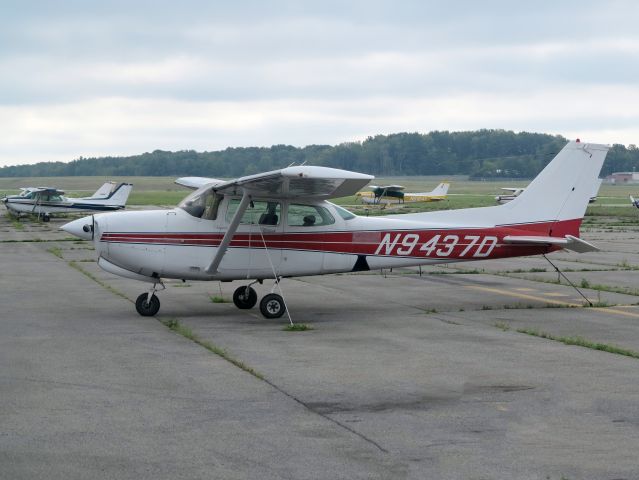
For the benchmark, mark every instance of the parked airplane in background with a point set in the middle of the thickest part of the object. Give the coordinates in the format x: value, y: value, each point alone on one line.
x: 515, y: 192
x: 279, y: 224
x: 44, y: 201
x: 393, y: 194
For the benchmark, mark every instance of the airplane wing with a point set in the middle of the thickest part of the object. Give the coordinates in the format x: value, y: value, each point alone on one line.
x: 298, y: 182
x: 197, y: 182
x: 46, y: 191
x: 568, y: 242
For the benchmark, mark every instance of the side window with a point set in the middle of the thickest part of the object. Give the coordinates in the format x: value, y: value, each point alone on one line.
x: 258, y: 212
x: 308, y: 216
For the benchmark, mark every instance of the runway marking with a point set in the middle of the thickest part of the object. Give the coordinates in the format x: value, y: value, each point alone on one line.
x: 619, y: 312
x: 525, y: 289
x: 615, y: 311
x: 523, y: 295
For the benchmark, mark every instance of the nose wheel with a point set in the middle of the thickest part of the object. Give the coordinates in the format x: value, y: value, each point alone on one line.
x: 147, y: 304
x: 147, y: 307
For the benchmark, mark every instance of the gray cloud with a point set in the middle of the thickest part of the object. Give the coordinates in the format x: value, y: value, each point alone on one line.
x: 306, y: 72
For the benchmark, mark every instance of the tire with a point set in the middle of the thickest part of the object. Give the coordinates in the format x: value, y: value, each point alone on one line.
x: 272, y: 306
x: 46, y: 218
x: 244, y: 298
x: 145, y: 308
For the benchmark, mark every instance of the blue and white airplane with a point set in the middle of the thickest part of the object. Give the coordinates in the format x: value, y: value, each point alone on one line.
x: 44, y: 201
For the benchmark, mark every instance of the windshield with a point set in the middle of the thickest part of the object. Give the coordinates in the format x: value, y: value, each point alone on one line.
x: 202, y: 203
x: 342, y: 212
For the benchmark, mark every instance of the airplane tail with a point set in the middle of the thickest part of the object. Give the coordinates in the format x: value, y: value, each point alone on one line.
x: 117, y: 197
x: 120, y: 195
x: 562, y: 191
x: 553, y: 204
x: 441, y: 189
x: 104, y: 191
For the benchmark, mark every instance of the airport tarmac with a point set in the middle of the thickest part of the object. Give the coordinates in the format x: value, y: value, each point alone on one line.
x: 402, y: 375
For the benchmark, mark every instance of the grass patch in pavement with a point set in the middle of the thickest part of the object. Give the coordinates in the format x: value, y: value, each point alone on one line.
x: 580, y: 342
x: 297, y: 327
x: 57, y: 251
x: 74, y: 264
x: 186, y: 332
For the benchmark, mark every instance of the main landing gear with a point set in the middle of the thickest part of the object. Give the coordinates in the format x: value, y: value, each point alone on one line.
x: 244, y: 298
x: 271, y: 306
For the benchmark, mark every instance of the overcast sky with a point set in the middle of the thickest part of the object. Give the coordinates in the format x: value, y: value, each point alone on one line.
x: 81, y: 78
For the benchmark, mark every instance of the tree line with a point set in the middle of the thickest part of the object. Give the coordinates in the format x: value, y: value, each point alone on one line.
x: 479, y: 154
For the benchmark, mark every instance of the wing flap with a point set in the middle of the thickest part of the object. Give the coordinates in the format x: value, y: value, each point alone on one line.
x: 568, y: 242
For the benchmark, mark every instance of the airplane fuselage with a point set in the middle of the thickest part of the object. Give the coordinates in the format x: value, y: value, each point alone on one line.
x: 18, y: 206
x: 175, y: 244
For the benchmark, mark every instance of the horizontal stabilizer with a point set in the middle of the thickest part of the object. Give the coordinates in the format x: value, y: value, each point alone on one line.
x: 568, y: 242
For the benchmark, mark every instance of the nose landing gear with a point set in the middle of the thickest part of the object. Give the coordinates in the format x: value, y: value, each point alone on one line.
x: 148, y: 304
x: 147, y: 307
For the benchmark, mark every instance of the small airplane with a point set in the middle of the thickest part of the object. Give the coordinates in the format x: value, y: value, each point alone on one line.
x: 515, y: 192
x: 390, y: 194
x: 280, y: 224
x: 44, y: 201
x: 633, y: 201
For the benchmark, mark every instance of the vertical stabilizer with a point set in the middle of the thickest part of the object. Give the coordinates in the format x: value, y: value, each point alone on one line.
x: 563, y: 189
x: 104, y: 191
x: 120, y: 195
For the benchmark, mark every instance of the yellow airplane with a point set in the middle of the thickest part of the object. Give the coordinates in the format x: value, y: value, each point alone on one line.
x: 393, y: 194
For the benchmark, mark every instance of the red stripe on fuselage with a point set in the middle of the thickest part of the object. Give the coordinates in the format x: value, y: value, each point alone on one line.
x: 462, y: 243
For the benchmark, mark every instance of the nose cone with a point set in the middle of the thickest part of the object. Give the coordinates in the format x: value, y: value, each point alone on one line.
x: 81, y: 228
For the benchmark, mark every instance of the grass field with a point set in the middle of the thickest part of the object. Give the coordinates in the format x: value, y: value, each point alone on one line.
x: 162, y: 191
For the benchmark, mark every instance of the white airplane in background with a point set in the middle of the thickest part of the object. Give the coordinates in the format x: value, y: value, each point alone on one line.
x: 393, y: 194
x: 46, y: 201
x: 279, y: 224
x: 515, y: 192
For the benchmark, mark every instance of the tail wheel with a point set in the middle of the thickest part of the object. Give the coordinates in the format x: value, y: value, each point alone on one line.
x: 244, y: 297
x: 272, y: 306
x: 146, y: 307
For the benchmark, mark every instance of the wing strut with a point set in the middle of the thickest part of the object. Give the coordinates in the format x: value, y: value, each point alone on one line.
x: 228, y: 236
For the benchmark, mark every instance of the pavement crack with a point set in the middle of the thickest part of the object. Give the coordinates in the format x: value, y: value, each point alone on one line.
x: 325, y: 416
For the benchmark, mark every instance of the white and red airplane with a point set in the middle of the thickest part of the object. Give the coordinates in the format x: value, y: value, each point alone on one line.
x: 280, y: 224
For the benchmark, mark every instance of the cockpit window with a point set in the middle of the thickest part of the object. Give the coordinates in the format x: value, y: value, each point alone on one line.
x: 258, y: 212
x: 342, y: 212
x: 202, y: 204
x: 308, y: 216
